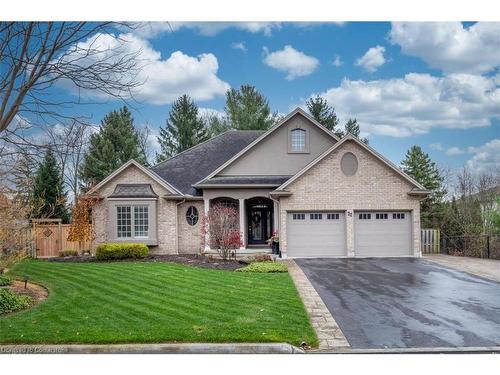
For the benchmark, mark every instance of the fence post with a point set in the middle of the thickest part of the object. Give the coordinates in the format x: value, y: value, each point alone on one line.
x: 488, y: 245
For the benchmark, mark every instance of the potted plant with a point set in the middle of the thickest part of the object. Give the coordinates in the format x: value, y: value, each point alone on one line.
x: 274, y: 243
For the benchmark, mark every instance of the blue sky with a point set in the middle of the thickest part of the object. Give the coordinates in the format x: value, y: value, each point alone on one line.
x: 432, y: 84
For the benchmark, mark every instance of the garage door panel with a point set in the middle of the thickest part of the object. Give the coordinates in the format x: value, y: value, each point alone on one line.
x: 375, y: 237
x: 316, y: 237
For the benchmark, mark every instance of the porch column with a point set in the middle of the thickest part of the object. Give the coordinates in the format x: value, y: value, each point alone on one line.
x: 242, y: 224
x: 207, y: 236
x: 276, y: 217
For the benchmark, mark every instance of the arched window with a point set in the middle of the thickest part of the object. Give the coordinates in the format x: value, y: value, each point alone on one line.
x: 298, y: 140
x: 192, y: 215
x: 225, y: 202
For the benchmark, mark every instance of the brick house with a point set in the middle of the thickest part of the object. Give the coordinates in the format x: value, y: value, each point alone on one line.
x: 324, y: 196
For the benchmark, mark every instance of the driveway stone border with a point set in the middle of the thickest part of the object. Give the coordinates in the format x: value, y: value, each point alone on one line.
x: 191, y: 348
x: 330, y: 335
x: 487, y: 268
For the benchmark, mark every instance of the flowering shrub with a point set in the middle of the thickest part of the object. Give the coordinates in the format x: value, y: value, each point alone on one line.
x: 221, y: 226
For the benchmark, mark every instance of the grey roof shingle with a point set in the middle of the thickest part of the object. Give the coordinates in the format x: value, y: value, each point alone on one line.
x: 244, y: 180
x: 192, y: 165
x: 133, y: 191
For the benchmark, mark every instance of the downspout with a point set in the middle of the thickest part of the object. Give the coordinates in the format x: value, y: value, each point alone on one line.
x: 177, y: 224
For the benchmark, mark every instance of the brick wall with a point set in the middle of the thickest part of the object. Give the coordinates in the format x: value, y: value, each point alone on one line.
x: 189, y: 235
x: 374, y: 187
x: 166, y: 211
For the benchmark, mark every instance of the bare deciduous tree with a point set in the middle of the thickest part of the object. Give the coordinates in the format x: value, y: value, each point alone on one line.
x: 34, y: 56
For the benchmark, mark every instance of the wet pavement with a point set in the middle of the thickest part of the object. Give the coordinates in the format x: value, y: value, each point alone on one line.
x: 406, y: 302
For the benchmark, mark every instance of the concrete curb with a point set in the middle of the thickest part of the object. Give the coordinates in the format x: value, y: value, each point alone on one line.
x: 440, y: 350
x: 199, y: 348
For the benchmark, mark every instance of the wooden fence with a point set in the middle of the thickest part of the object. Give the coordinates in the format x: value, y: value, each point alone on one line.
x: 52, y: 238
x: 430, y: 242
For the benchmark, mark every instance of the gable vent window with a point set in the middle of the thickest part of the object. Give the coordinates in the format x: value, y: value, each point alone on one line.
x: 192, y: 215
x: 381, y: 216
x: 332, y: 216
x: 398, y: 215
x: 316, y: 216
x: 298, y: 140
x: 299, y: 216
x: 365, y: 216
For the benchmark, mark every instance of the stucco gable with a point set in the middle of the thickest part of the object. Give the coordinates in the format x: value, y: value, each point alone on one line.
x: 270, y: 154
x: 373, y: 168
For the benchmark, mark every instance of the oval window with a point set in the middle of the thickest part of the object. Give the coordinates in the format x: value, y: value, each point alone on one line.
x: 192, y: 215
x: 349, y: 164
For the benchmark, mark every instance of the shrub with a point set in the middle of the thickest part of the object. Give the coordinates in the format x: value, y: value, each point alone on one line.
x: 264, y: 267
x: 68, y: 253
x: 5, y: 280
x: 110, y: 251
x: 9, y: 301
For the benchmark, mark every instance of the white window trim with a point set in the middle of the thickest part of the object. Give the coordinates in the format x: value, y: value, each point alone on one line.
x: 132, y: 221
x: 306, y: 140
x: 113, y: 205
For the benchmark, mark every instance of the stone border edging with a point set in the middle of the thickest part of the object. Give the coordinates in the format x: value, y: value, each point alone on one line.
x: 328, y: 331
x: 191, y: 348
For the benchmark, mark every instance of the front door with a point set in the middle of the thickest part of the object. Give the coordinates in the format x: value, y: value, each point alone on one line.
x: 260, y: 220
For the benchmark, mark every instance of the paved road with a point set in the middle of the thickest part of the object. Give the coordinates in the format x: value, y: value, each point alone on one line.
x: 405, y: 303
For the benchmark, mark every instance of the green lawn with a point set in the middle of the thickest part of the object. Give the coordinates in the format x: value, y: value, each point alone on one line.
x: 157, y: 302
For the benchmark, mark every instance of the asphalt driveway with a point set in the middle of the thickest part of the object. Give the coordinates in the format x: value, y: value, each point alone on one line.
x: 405, y: 302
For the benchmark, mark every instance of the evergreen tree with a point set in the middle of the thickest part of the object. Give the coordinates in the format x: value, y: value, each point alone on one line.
x: 184, y: 129
x: 248, y: 109
x: 216, y: 125
x: 116, y: 143
x: 451, y: 224
x: 48, y: 196
x: 352, y: 127
x: 419, y: 165
x: 323, y: 113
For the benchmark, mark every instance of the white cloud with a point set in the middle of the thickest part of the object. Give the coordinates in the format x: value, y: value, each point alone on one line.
x: 486, y: 157
x: 372, y: 59
x: 337, y: 61
x: 152, y: 29
x: 436, y: 146
x: 415, y: 104
x: 454, y: 151
x: 289, y: 60
x: 164, y: 80
x: 450, y: 46
x: 240, y: 46
x: 209, y: 112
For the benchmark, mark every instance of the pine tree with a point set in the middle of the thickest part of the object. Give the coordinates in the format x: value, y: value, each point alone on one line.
x: 184, y: 129
x: 116, y: 143
x: 419, y: 165
x: 323, y: 113
x: 48, y: 196
x: 352, y: 127
x: 248, y: 109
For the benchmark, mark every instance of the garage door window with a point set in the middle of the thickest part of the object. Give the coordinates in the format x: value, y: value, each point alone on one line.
x: 398, y: 216
x: 365, y: 216
x: 316, y: 216
x: 332, y: 216
x: 381, y: 216
x: 299, y: 216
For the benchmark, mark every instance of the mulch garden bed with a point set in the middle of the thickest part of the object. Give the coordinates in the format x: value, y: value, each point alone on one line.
x: 194, y: 260
x: 35, y: 291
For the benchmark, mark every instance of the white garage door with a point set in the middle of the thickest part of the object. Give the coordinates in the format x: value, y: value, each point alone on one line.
x: 382, y: 234
x: 316, y: 234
